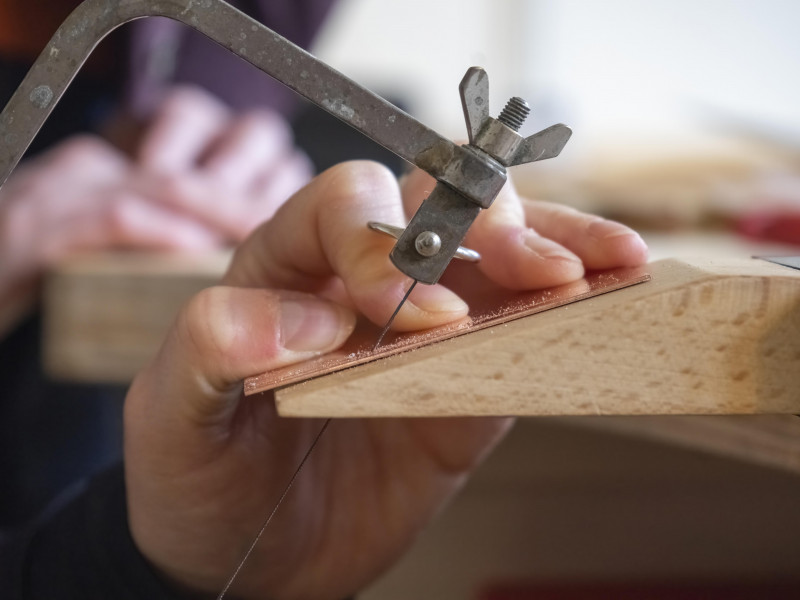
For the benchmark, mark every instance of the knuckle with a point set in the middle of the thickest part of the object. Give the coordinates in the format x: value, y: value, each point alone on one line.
x: 213, y: 323
x: 173, y: 187
x: 353, y: 182
x: 84, y: 152
x: 201, y: 325
x: 269, y: 123
x: 83, y: 146
x: 190, y: 101
x: 179, y: 98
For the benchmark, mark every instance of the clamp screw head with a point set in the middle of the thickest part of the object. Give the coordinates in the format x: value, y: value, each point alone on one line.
x: 428, y: 244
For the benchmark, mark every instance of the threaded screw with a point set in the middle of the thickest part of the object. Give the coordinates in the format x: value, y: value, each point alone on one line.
x: 515, y: 113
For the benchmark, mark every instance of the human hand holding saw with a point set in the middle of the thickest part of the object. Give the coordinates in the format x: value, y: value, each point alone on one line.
x: 204, y: 464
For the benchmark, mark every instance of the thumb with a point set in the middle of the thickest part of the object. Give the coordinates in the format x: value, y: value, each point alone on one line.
x: 221, y: 336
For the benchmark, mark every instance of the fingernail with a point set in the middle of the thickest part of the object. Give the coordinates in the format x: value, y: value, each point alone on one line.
x: 546, y: 248
x: 314, y: 325
x: 437, y: 299
x: 603, y: 229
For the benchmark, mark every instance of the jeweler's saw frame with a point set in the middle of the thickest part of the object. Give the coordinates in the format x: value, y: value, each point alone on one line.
x: 469, y: 177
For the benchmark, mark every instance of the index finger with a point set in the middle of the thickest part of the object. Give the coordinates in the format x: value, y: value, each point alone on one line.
x: 527, y: 244
x: 319, y: 239
x: 512, y: 254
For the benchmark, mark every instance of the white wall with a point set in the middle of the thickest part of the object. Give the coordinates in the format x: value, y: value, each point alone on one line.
x: 628, y: 63
x: 605, y: 67
x: 422, y: 48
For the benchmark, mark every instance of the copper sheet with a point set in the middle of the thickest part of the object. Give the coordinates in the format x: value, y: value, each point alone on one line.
x: 489, y: 305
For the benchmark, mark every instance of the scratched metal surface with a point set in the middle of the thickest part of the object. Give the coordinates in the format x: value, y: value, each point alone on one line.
x: 489, y: 305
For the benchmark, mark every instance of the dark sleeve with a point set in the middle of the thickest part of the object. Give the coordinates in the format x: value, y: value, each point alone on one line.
x: 82, y: 550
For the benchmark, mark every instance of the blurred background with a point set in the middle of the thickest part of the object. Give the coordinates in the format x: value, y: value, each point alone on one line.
x: 684, y: 113
x: 686, y: 126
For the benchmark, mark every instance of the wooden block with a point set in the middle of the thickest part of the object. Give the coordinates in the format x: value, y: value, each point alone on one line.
x: 703, y: 337
x: 105, y: 315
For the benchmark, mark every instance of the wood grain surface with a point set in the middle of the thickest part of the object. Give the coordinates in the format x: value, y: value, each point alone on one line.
x: 703, y: 337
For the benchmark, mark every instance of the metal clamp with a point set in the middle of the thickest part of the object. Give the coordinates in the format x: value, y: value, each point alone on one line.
x: 495, y: 143
x: 427, y: 243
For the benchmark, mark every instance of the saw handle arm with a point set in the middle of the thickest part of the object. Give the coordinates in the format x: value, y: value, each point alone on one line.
x: 93, y: 20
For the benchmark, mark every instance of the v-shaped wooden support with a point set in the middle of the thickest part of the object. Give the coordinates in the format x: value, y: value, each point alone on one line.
x: 702, y: 337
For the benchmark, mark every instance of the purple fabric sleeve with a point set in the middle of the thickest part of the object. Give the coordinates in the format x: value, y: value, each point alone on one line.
x: 165, y: 52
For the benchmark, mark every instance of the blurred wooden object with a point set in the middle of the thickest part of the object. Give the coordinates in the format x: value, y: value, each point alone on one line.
x: 766, y: 440
x: 684, y: 180
x: 703, y: 337
x: 106, y: 314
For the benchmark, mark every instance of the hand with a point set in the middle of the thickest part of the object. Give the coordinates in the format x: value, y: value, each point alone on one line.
x: 230, y: 171
x: 203, y: 178
x: 204, y: 464
x: 81, y: 195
